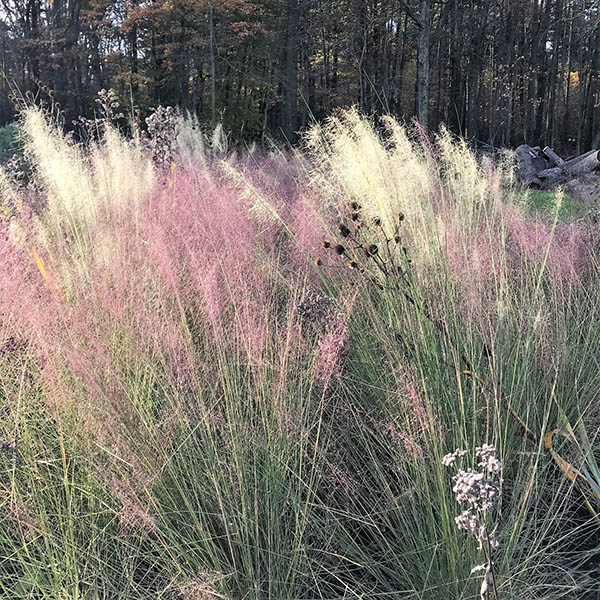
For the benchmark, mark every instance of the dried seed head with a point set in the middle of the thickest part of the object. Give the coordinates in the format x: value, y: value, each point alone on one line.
x: 355, y: 216
x: 344, y: 231
x: 370, y: 250
x: 377, y: 221
x: 351, y: 264
x: 397, y: 239
x: 355, y: 206
x: 317, y: 261
x: 326, y: 244
x: 314, y: 306
x: 400, y: 217
x: 340, y: 249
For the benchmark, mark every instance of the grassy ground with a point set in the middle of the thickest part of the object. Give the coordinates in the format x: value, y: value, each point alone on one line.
x: 236, y: 376
x: 545, y: 204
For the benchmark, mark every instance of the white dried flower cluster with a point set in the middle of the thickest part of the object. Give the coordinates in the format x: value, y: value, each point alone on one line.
x: 108, y: 105
x: 476, y: 489
x: 467, y: 521
x: 450, y: 459
x: 163, y: 128
x: 488, y: 461
x: 480, y: 491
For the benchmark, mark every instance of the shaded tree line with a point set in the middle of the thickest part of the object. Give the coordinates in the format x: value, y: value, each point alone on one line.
x: 500, y: 72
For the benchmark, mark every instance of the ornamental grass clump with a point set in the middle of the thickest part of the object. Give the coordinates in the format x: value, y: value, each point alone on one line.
x: 479, y: 490
x: 190, y: 407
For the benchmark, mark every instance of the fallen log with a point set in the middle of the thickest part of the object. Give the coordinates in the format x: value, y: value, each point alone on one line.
x: 555, y: 159
x: 581, y: 165
x: 581, y: 157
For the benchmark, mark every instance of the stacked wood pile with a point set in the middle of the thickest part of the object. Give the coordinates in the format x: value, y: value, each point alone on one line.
x: 544, y: 169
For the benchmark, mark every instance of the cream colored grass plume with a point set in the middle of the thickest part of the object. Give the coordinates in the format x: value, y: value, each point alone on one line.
x: 390, y: 172
x: 106, y: 182
x: 111, y: 178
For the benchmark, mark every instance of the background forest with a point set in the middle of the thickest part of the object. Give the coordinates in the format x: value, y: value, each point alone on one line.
x: 498, y: 72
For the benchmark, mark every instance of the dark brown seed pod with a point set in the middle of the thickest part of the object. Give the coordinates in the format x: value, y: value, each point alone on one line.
x: 371, y: 250
x: 400, y: 217
x: 354, y: 205
x: 351, y: 264
x: 326, y: 244
x: 318, y: 262
x: 340, y: 249
x: 355, y: 216
x: 376, y: 221
x: 344, y: 231
x: 397, y: 239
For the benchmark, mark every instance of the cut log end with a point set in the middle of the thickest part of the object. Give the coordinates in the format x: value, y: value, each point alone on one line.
x: 527, y: 171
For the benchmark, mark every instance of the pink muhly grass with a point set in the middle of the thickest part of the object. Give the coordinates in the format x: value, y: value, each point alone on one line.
x: 308, y: 231
x: 478, y: 258
x: 196, y: 264
x: 339, y: 475
x: 230, y: 260
x: 199, y: 254
x: 474, y: 262
x: 216, y: 245
x: 23, y: 517
x: 332, y: 351
x: 411, y: 428
x: 290, y: 364
x: 210, y: 286
x: 415, y: 402
x: 29, y: 301
x: 73, y: 335
x: 401, y: 438
x: 135, y: 510
x: 565, y: 247
x: 333, y: 348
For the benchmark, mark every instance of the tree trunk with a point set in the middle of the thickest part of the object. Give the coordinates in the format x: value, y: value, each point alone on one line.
x: 213, y: 83
x: 290, y: 78
x: 423, y: 63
